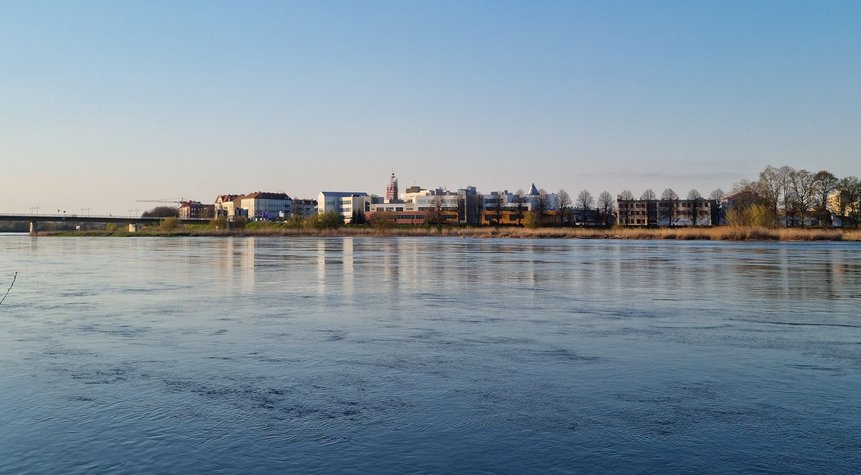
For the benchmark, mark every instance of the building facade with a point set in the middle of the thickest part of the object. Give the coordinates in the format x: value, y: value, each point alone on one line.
x: 226, y: 205
x: 348, y: 204
x: 266, y: 206
x: 195, y: 210
x: 634, y: 212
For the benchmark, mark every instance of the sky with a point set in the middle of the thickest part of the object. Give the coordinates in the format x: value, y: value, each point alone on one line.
x: 105, y: 103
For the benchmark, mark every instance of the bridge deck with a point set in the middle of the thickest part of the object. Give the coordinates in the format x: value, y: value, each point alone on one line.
x: 71, y: 218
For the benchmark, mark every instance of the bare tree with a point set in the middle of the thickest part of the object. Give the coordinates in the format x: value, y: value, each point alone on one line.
x: 825, y: 184
x: 850, y: 199
x: 520, y: 201
x: 542, y: 204
x: 697, y: 198
x: 434, y: 213
x: 669, y: 200
x: 769, y: 188
x: 648, y: 195
x: 606, y: 205
x: 717, y: 195
x: 625, y: 201
x: 802, y: 194
x: 585, y: 202
x: 497, y: 212
x: 785, y: 182
x: 563, y: 204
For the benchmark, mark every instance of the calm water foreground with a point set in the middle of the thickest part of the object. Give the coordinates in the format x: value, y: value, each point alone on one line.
x: 370, y: 355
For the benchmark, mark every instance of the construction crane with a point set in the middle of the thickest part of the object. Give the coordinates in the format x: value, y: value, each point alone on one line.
x: 166, y: 200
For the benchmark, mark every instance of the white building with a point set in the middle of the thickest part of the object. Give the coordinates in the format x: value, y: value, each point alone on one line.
x: 226, y: 205
x: 257, y: 205
x: 261, y: 205
x: 346, y: 203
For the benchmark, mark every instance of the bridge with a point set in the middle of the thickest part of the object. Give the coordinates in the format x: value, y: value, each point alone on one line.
x: 35, y: 219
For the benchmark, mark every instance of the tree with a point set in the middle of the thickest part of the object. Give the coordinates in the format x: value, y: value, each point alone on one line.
x: 606, y: 205
x: 784, y: 176
x: 161, y: 212
x: 542, y: 204
x: 669, y: 195
x: 434, y: 213
x: 382, y: 219
x: 802, y: 194
x: 825, y: 183
x: 669, y: 200
x: 327, y: 220
x: 717, y: 195
x: 850, y: 199
x: 625, y: 200
x: 497, y: 212
x: 520, y: 201
x: 563, y: 204
x: 755, y: 214
x: 169, y: 224
x: 768, y: 188
x: 585, y: 202
x: 696, y: 197
x: 219, y: 223
x: 359, y: 218
x: 648, y: 195
x: 848, y: 189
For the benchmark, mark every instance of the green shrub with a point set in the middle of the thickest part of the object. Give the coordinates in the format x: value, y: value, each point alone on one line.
x: 328, y: 220
x: 169, y: 224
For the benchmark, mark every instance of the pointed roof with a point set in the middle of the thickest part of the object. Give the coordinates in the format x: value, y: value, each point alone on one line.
x: 533, y: 191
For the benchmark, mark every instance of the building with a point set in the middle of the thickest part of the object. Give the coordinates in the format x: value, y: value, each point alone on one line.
x: 349, y: 204
x: 258, y: 206
x: 392, y: 189
x: 226, y: 205
x: 439, y: 206
x: 195, y: 210
x: 266, y: 206
x: 304, y: 208
x: 658, y: 212
x: 469, y: 206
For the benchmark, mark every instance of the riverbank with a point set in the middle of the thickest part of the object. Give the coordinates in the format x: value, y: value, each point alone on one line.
x: 722, y: 233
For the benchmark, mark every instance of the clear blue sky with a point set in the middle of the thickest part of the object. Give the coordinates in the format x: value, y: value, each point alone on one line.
x: 103, y: 103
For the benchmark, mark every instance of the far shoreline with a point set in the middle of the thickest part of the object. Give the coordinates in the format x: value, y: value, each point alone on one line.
x: 718, y: 233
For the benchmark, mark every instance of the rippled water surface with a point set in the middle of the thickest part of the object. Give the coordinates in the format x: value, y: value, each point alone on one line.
x: 372, y: 355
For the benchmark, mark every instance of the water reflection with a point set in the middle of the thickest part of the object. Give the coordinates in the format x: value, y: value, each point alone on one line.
x: 576, y: 274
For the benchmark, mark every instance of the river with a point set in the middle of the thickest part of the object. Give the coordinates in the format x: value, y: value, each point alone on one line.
x: 392, y: 355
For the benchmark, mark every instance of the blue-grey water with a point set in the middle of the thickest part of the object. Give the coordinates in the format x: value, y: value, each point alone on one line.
x: 380, y: 355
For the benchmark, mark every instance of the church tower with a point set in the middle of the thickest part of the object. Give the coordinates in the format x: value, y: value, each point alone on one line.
x: 392, y: 189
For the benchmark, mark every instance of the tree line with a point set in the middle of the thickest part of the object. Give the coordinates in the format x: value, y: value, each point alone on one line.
x: 796, y: 198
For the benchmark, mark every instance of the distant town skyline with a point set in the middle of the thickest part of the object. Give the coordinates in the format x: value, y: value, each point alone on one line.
x: 106, y: 103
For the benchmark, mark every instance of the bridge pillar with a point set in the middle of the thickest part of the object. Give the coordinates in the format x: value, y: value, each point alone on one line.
x: 34, y: 228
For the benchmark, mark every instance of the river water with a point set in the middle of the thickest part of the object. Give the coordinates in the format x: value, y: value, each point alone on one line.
x: 391, y: 355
